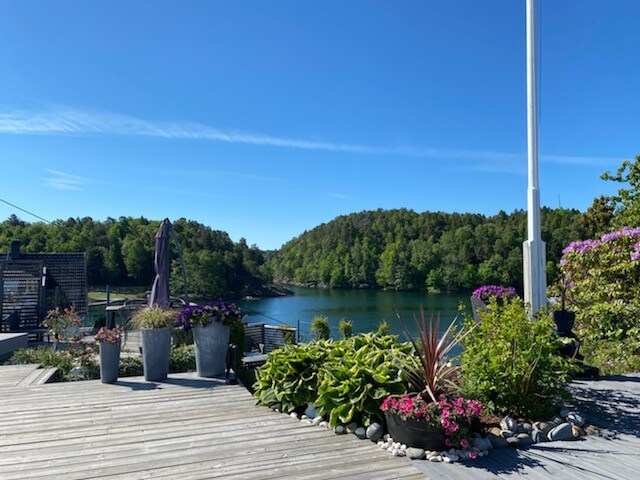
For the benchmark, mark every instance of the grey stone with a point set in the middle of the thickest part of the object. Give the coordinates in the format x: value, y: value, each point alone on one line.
x: 416, y: 453
x: 361, y: 433
x: 497, y: 442
x: 508, y: 423
x: 507, y: 433
x: 323, y: 425
x: 520, y: 441
x: 577, y: 431
x: 351, y: 427
x: 482, y: 444
x: 340, y: 430
x: 311, y: 411
x: 546, y: 427
x: 526, y: 427
x: 558, y: 420
x: 437, y: 458
x: 576, y: 419
x: 374, y: 431
x: 564, y: 412
x: 538, y: 436
x: 275, y: 406
x: 495, y: 431
x: 561, y: 432
x: 399, y: 453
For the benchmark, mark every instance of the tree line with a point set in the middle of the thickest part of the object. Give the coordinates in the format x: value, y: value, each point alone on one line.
x: 404, y: 250
x: 120, y: 252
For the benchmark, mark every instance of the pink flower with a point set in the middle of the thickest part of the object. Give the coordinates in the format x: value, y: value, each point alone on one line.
x: 445, y: 423
x: 447, y: 442
x: 464, y: 443
x: 453, y: 426
x: 473, y: 455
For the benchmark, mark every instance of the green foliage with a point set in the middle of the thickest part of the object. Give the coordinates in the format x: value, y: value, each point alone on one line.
x: 346, y: 328
x: 131, y: 367
x: 120, y: 252
x: 154, y: 317
x: 383, y: 328
x: 603, y: 279
x: 405, y: 250
x: 182, y: 359
x: 627, y: 201
x: 359, y: 373
x: 320, y: 326
x: 290, y: 376
x: 45, y: 356
x: 614, y: 356
x: 347, y: 379
x: 511, y: 363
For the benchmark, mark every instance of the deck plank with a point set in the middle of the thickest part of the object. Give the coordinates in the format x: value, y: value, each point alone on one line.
x: 185, y: 428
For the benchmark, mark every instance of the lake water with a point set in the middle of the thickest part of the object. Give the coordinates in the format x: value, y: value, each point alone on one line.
x: 365, y: 308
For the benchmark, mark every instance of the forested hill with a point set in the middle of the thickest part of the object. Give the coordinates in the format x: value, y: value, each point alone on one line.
x: 405, y: 250
x: 120, y: 252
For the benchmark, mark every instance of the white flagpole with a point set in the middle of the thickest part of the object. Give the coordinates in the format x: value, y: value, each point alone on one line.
x: 535, y: 275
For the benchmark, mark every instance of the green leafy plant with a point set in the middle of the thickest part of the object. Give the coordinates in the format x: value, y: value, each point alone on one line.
x: 383, y: 328
x: 46, y: 357
x: 131, y: 367
x: 346, y: 328
x: 290, y: 376
x: 434, y: 372
x: 358, y: 374
x: 154, y: 317
x: 182, y: 359
x: 320, y: 326
x: 511, y: 363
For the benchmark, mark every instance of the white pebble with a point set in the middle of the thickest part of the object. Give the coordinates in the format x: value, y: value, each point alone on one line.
x: 303, y: 417
x: 293, y: 415
x: 446, y: 460
x: 399, y: 453
x: 390, y: 449
x: 437, y: 458
x: 386, y: 436
x: 323, y: 424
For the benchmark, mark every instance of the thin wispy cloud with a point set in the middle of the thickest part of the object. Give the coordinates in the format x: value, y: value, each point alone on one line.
x: 65, y: 121
x: 64, y: 181
x: 339, y: 196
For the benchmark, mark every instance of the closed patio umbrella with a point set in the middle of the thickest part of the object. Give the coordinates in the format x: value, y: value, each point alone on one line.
x: 160, y: 290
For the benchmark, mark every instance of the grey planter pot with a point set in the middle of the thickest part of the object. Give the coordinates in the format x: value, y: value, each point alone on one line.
x: 109, y: 361
x: 212, y: 343
x: 156, y: 345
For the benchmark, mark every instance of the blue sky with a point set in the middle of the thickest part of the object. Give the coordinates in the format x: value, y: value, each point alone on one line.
x: 265, y: 119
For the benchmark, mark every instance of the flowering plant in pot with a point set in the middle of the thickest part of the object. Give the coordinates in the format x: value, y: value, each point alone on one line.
x: 211, y: 325
x: 563, y: 318
x: 482, y: 296
x: 109, y: 345
x: 428, y: 418
x: 430, y: 425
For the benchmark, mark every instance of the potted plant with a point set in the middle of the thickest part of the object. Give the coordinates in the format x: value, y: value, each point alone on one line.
x: 109, y: 345
x: 563, y: 318
x: 482, y: 296
x: 428, y: 417
x: 155, y: 324
x: 211, y: 325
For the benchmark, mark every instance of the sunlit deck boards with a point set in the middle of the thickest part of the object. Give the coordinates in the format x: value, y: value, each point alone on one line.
x: 186, y: 428
x: 24, y: 375
x: 612, y: 404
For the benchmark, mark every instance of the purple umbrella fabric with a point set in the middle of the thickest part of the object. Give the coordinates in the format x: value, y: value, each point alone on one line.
x: 160, y: 290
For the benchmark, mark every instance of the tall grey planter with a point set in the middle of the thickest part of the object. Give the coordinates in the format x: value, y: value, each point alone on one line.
x: 156, y: 345
x: 109, y: 361
x: 211, y: 344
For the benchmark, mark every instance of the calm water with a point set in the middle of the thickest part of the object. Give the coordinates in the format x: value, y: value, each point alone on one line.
x: 365, y: 308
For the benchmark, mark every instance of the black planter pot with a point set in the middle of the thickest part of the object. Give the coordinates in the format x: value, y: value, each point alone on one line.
x: 564, y: 320
x: 414, y: 433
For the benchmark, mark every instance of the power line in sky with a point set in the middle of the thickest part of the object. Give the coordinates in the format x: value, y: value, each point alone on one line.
x: 25, y: 211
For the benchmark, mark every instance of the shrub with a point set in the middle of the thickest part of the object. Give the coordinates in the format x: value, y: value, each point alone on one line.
x: 46, y: 357
x: 131, y: 367
x: 347, y: 379
x: 346, y: 328
x: 511, y: 363
x: 182, y: 359
x: 614, y: 357
x: 290, y: 376
x: 359, y: 373
x: 320, y: 326
x: 383, y: 328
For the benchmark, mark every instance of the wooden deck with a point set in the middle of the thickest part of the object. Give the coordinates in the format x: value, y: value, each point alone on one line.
x: 613, y: 404
x: 185, y: 428
x: 24, y: 375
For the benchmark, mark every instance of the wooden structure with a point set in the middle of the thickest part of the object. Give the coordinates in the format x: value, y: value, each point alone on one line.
x: 22, y: 376
x: 32, y: 283
x: 183, y: 429
x: 263, y: 339
x: 612, y: 404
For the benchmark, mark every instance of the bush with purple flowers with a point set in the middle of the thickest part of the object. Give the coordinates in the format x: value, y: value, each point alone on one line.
x: 108, y: 335
x: 488, y: 292
x: 223, y: 312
